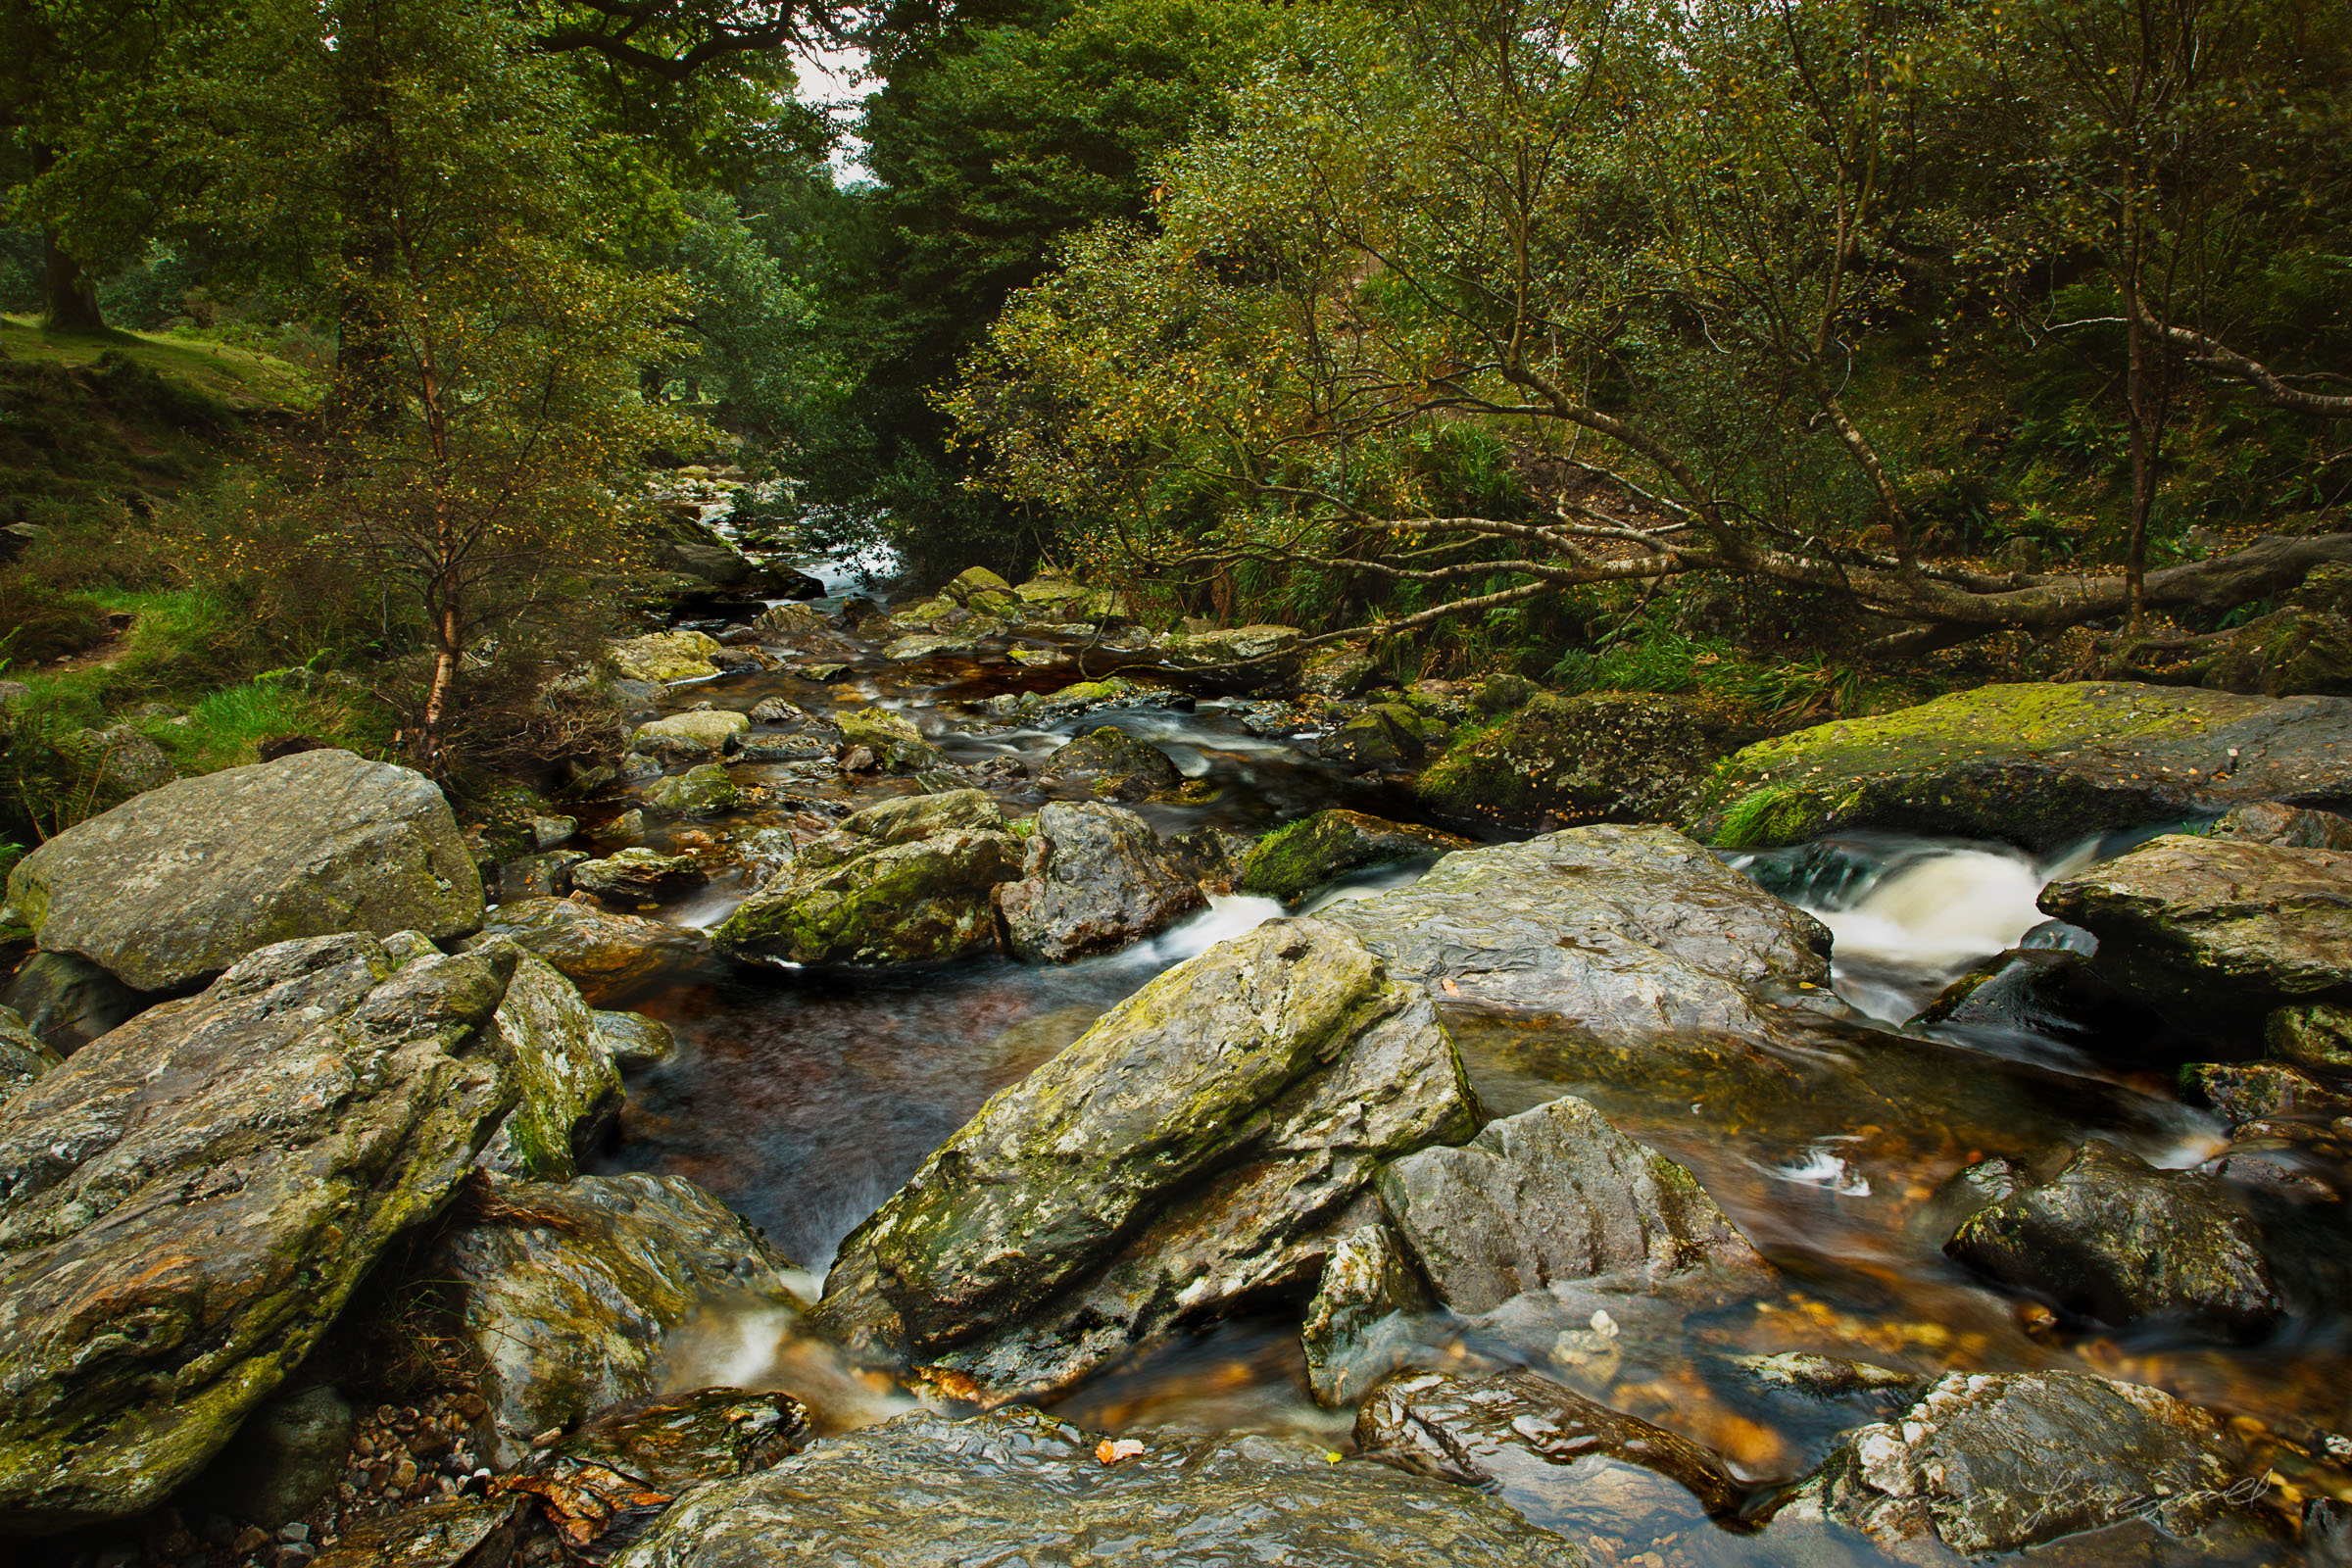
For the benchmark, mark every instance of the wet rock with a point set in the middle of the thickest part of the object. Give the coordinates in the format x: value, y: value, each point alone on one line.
x: 776, y: 711
x: 1568, y: 1463
x: 1987, y: 1463
x: 639, y: 875
x: 605, y: 954
x: 175, y: 885
x: 702, y: 791
x: 2039, y: 764
x: 1393, y: 735
x: 1058, y: 600
x: 1628, y: 933
x: 668, y: 656
x: 288, y: 1454
x: 1211, y: 856
x: 1198, y: 1146
x: 1094, y: 879
x: 69, y: 1001
x: 909, y: 902
x: 1605, y: 756
x: 1354, y: 1333
x: 2255, y: 1091
x: 925, y: 1491
x: 461, y: 1533
x: 2316, y: 1034
x: 1342, y: 671
x: 220, y: 1172
x: 537, y: 876
x: 1118, y: 765
x: 918, y: 816
x: 635, y: 1041
x: 2293, y: 826
x: 694, y: 737
x: 1550, y: 1195
x: 548, y: 1042
x: 930, y: 645
x: 1296, y: 861
x: 890, y: 737
x: 1240, y: 658
x: 22, y: 1057
x: 2208, y: 926
x: 811, y: 745
x: 569, y: 1291
x: 789, y: 624
x: 2113, y: 1238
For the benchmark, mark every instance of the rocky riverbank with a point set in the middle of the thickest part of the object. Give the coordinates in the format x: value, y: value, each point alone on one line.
x: 347, y: 1216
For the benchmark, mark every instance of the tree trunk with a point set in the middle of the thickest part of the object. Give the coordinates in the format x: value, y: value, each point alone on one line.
x: 68, y: 299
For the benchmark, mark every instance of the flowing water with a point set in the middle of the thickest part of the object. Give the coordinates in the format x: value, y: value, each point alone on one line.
x: 806, y: 1098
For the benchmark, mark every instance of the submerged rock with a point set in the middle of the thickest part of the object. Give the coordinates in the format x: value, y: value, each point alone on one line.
x: 1195, y: 1146
x: 1628, y: 933
x: 1095, y: 879
x: 1018, y: 1485
x: 605, y: 954
x: 2115, y: 1238
x: 1605, y: 756
x: 1294, y: 861
x: 1118, y: 767
x: 220, y: 1172
x: 175, y: 885
x: 1553, y: 1194
x: 911, y: 903
x: 1987, y: 1463
x: 2215, y: 925
x: 570, y: 1292
x: 2039, y: 764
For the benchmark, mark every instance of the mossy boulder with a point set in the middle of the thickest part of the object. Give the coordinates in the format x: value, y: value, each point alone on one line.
x: 1558, y: 761
x: 2041, y: 765
x: 1195, y: 1146
x: 917, y: 817
x: 186, y: 1205
x: 1294, y: 861
x: 697, y: 736
x: 704, y: 790
x: 890, y: 736
x: 667, y: 656
x: 173, y: 885
x: 926, y: 900
x: 637, y: 874
x: 1115, y: 765
x: 570, y: 1292
x: 568, y: 1085
x: 1389, y: 735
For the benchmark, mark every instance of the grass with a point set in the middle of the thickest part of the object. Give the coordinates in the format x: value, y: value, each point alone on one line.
x: 244, y: 381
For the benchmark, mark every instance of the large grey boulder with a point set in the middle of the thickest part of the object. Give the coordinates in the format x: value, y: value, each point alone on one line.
x: 1095, y: 879
x: 1626, y: 932
x: 570, y: 1291
x: 186, y: 1203
x: 175, y: 885
x: 1202, y: 1144
x: 2115, y: 1238
x: 1989, y: 1463
x: 1021, y: 1486
x: 1551, y: 1194
x: 2034, y: 763
x: 2216, y: 925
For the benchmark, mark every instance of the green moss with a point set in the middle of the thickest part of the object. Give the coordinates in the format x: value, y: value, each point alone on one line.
x: 1765, y: 817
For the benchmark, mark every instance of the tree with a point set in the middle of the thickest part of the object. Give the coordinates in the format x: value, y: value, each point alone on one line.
x: 1638, y: 247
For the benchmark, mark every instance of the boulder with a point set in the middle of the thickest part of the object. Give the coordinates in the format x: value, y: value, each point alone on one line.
x: 1019, y: 1485
x: 789, y: 624
x: 2217, y: 926
x: 535, y: 877
x: 1200, y: 1144
x: 776, y: 711
x: 2042, y: 765
x: 1552, y: 1194
x: 918, y: 816
x: 568, y: 1291
x: 1294, y: 861
x: 667, y: 656
x: 2316, y: 1034
x: 2258, y: 1091
x: 890, y: 737
x: 605, y: 954
x: 1095, y: 879
x: 1340, y: 671
x: 639, y: 875
x: 926, y: 900
x: 931, y: 645
x: 1358, y: 1326
x: 69, y: 1001
x: 2294, y: 826
x: 1246, y: 658
x: 22, y: 1057
x: 636, y: 1040
x: 811, y: 745
x: 1599, y: 1477
x: 189, y: 1201
x: 124, y: 760
x: 456, y: 1533
x: 698, y: 736
x: 1392, y: 735
x: 1628, y: 933
x: 1119, y: 766
x: 1987, y: 1463
x: 569, y: 1088
x: 173, y: 885
x: 2113, y: 1239
x: 1604, y: 757
x: 704, y: 790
